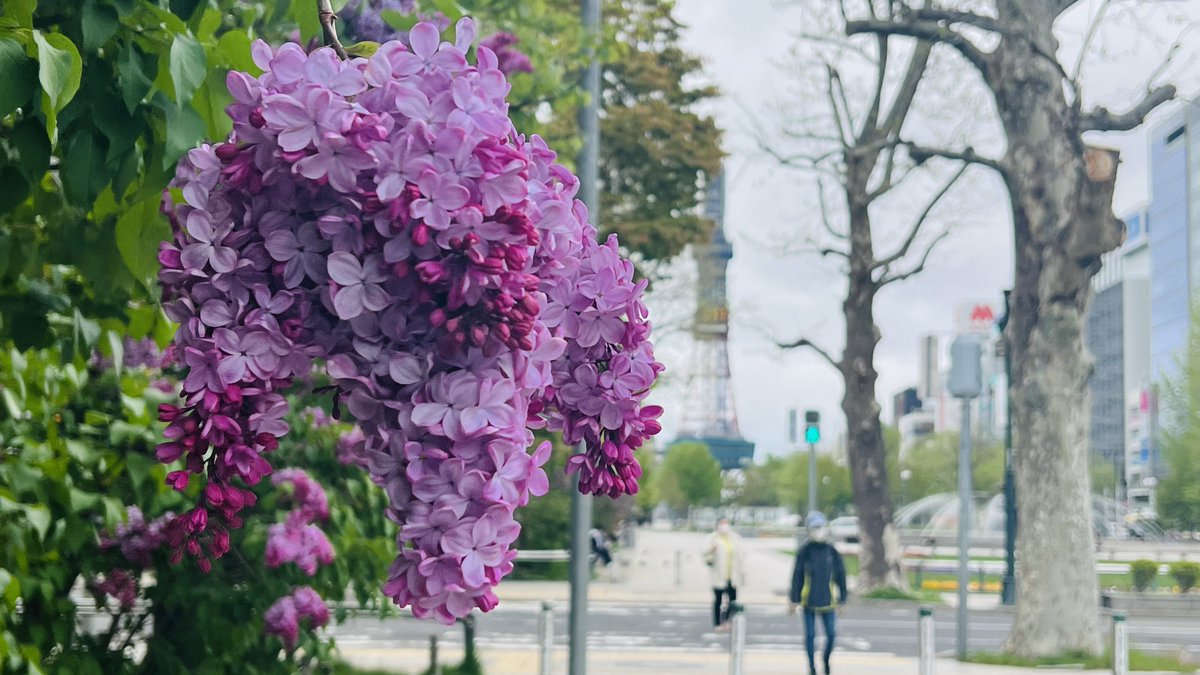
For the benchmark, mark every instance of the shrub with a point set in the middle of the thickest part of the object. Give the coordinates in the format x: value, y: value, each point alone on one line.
x: 1186, y: 574
x: 1143, y: 572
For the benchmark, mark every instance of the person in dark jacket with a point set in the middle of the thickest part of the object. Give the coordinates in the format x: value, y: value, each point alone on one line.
x: 818, y: 574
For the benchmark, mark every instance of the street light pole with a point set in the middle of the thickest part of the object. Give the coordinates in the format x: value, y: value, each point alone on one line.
x: 812, y: 477
x: 1008, y: 585
x: 965, y: 382
x: 581, y: 504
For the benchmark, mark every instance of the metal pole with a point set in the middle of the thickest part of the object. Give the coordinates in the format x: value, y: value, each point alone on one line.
x: 1008, y: 585
x: 737, y: 644
x: 812, y: 477
x: 964, y: 519
x: 581, y: 505
x: 580, y: 574
x: 1120, y: 665
x: 546, y: 639
x: 925, y: 640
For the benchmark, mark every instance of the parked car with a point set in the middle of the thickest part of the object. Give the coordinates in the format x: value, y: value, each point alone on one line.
x: 844, y: 529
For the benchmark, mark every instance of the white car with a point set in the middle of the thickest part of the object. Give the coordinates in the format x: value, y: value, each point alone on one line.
x: 844, y: 529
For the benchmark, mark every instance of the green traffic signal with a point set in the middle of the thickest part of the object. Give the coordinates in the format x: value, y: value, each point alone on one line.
x: 812, y: 434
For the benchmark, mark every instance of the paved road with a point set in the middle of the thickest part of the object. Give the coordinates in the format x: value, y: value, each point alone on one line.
x: 688, y: 627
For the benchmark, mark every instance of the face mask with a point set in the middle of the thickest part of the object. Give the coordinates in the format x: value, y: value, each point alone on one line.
x: 723, y: 528
x: 819, y: 533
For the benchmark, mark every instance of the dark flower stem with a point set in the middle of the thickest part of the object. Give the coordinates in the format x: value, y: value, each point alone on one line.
x: 327, y: 17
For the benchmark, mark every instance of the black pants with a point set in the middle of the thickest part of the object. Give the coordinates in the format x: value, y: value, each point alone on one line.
x: 721, y: 609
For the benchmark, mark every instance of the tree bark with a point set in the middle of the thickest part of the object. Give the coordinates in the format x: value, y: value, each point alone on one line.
x: 879, y: 556
x: 1061, y: 197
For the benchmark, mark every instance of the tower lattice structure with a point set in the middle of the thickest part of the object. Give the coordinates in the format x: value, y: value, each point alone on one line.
x: 709, y: 415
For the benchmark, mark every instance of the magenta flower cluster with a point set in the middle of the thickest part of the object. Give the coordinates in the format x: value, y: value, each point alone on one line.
x: 298, y: 539
x: 284, y: 616
x: 137, y: 540
x: 383, y: 216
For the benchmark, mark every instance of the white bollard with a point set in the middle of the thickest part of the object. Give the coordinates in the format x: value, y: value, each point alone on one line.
x: 546, y: 639
x: 1120, y: 664
x: 737, y: 644
x: 678, y: 568
x: 926, y: 641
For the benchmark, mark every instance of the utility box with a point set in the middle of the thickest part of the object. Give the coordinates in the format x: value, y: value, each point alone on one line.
x: 966, y: 371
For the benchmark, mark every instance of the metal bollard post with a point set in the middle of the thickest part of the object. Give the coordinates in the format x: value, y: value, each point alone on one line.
x: 434, y: 667
x: 737, y: 643
x: 1120, y: 664
x: 925, y: 640
x: 678, y: 568
x: 546, y: 639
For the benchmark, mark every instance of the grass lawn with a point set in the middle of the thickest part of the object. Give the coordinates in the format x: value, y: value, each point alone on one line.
x: 1137, y: 661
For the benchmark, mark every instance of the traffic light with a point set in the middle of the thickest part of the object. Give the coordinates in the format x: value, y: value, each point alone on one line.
x: 812, y: 426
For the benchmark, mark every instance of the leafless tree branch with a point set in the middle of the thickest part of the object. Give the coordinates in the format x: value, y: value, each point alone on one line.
x: 1092, y: 29
x: 888, y: 278
x: 1101, y: 119
x: 913, y: 231
x: 804, y: 342
x: 924, y: 30
x: 921, y: 154
x: 833, y: 106
x: 876, y: 98
x: 825, y: 214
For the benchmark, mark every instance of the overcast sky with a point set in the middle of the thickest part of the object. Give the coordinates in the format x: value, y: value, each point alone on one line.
x: 744, y: 44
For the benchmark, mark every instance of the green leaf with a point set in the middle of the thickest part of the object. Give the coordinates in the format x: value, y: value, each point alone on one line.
x: 99, y: 24
x: 185, y: 8
x: 11, y: 404
x: 59, y: 71
x: 450, y: 8
x: 115, y: 122
x: 185, y: 129
x: 233, y: 48
x: 87, y: 330
x: 304, y: 14
x: 116, y: 350
x: 187, y: 67
x: 16, y: 188
x: 33, y: 149
x: 127, y: 170
x: 18, y: 76
x: 21, y: 11
x: 210, y: 21
x: 398, y: 21
x: 139, y: 231
x: 83, y: 173
x: 131, y: 73
x: 210, y: 101
x: 38, y: 517
x: 365, y: 49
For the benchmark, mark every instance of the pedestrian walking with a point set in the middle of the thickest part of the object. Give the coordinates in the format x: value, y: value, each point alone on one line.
x: 819, y: 574
x: 724, y: 555
x: 600, y: 550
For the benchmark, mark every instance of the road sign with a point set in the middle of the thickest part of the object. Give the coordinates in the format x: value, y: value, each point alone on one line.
x: 978, y: 317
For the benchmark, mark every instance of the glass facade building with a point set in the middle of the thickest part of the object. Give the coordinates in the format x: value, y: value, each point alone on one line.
x: 1174, y: 235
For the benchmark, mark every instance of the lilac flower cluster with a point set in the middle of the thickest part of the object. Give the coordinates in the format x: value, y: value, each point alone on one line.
x: 136, y: 538
x: 142, y: 353
x: 511, y: 60
x: 284, y: 616
x: 119, y: 584
x: 383, y: 216
x: 297, y: 539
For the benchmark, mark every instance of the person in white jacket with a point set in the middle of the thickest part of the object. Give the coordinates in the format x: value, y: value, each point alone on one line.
x: 725, y: 556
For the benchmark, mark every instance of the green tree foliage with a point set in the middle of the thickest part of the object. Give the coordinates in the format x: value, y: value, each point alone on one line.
x: 1179, y: 491
x: 783, y: 481
x: 657, y: 150
x: 689, y: 476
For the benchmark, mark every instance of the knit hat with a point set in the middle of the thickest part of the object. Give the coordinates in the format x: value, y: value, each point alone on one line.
x: 815, y: 519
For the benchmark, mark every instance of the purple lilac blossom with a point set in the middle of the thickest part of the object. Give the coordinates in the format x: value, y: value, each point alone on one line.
x: 462, y: 302
x: 283, y: 618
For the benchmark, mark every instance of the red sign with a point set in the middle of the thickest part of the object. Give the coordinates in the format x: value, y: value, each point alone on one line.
x: 975, y: 317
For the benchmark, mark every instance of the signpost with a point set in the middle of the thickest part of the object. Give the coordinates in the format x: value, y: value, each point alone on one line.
x: 965, y: 383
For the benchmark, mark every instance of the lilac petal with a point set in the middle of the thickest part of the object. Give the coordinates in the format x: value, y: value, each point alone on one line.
x: 344, y: 268
x: 348, y: 301
x: 424, y: 38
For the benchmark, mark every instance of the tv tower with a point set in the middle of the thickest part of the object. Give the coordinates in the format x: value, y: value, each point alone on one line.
x: 710, y: 417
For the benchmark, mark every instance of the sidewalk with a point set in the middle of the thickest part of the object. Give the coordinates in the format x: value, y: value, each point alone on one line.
x: 663, y: 662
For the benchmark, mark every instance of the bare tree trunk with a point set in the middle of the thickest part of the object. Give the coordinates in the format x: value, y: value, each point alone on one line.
x: 1062, y: 221
x: 879, y: 556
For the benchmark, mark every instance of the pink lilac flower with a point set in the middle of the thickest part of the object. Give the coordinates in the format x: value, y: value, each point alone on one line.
x: 383, y: 217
